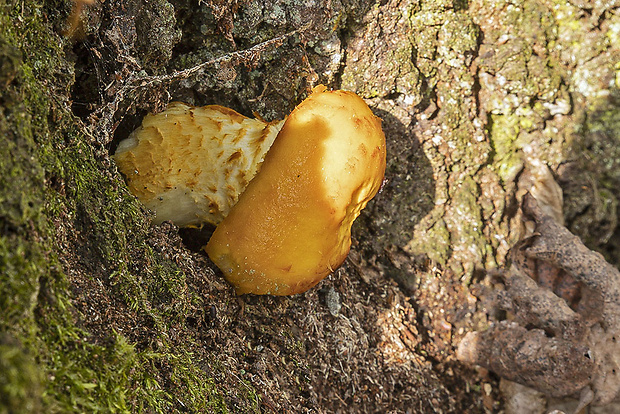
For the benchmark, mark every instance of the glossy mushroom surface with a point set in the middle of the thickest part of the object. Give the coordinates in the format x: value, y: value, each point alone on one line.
x: 292, y: 225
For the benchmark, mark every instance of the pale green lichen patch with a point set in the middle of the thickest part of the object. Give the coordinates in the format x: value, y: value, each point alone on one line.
x: 503, y: 132
x: 464, y: 223
x: 434, y: 240
x: 458, y: 39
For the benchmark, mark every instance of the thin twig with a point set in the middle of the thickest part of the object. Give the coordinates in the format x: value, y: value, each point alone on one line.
x: 105, y: 115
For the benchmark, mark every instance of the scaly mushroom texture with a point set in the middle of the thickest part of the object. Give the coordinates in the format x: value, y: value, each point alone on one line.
x: 189, y: 165
x: 291, y: 226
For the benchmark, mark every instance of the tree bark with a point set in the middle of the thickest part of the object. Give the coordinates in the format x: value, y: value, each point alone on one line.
x: 102, y: 311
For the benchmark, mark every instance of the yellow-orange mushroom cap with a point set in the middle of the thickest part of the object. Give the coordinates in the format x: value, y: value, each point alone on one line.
x: 291, y: 226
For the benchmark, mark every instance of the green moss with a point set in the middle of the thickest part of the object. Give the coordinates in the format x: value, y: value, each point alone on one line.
x: 20, y: 378
x: 53, y: 185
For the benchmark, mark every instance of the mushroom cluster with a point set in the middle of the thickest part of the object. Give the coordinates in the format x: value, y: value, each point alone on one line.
x: 283, y: 195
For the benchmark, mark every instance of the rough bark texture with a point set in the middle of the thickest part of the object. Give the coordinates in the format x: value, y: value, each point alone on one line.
x: 563, y: 301
x: 101, y: 311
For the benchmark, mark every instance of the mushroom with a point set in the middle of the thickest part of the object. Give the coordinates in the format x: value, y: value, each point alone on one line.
x: 289, y: 202
x: 189, y: 165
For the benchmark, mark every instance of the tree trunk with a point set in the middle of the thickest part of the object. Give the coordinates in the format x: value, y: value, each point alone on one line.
x: 102, y: 311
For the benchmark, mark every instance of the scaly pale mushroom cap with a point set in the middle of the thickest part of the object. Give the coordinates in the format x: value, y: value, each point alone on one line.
x: 189, y: 165
x: 292, y: 225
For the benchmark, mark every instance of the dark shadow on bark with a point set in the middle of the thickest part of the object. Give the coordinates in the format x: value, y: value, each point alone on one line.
x: 590, y: 180
x: 406, y: 197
